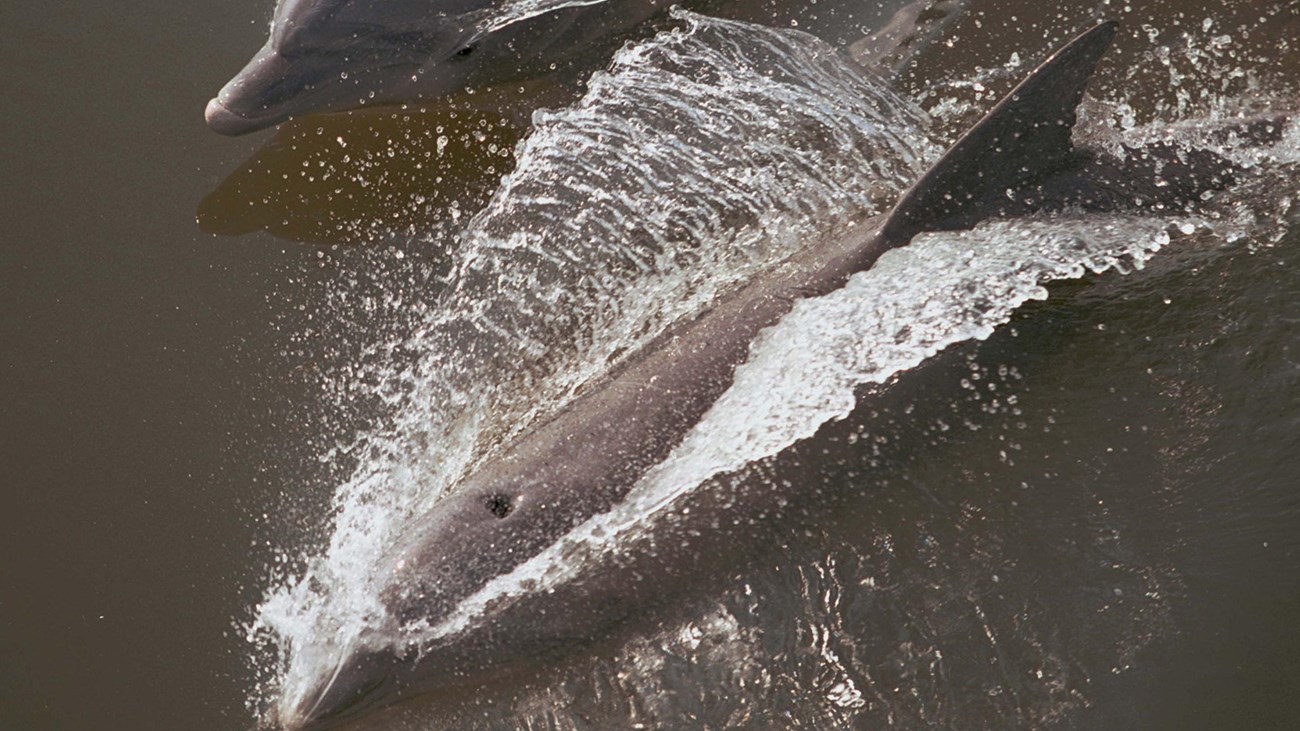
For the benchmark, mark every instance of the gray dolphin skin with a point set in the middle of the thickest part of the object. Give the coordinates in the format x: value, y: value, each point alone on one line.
x: 331, y: 55
x: 585, y: 459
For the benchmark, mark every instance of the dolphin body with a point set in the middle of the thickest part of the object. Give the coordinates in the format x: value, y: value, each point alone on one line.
x: 582, y: 461
x: 331, y: 55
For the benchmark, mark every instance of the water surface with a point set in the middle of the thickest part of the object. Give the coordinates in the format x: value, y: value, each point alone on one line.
x: 1087, y: 519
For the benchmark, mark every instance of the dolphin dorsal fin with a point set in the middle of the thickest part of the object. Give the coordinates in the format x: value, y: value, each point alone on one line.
x: 1024, y: 138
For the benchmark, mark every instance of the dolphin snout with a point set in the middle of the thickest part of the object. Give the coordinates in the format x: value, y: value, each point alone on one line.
x: 357, y: 679
x: 263, y: 94
x: 223, y: 121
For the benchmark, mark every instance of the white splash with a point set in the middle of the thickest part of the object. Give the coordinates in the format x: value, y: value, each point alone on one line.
x: 518, y: 11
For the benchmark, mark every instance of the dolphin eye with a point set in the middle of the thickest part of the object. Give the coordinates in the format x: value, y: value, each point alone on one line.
x: 499, y: 505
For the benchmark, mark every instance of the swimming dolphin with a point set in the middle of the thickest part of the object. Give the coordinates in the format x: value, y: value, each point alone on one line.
x: 582, y: 461
x: 329, y: 55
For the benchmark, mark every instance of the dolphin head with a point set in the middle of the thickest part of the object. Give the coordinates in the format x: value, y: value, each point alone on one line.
x: 328, y: 55
x: 481, y: 531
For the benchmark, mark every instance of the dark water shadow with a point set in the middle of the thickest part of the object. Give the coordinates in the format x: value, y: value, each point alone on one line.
x: 368, y: 176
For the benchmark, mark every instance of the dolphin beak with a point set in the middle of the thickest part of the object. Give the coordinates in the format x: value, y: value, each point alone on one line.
x: 259, y: 96
x: 223, y: 121
x: 357, y: 680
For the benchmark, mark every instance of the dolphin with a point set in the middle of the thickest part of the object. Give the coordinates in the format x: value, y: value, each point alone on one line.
x: 331, y: 55
x: 1019, y: 158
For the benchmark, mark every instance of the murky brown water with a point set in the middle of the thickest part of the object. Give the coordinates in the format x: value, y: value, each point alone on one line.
x: 139, y: 385
x: 162, y: 367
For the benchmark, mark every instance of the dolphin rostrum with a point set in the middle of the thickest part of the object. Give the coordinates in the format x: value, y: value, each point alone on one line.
x: 582, y: 461
x: 330, y: 55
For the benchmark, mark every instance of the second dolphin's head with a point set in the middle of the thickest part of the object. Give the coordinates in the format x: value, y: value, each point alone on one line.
x: 327, y: 55
x: 331, y: 55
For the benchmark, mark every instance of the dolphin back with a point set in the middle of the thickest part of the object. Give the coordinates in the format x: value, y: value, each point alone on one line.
x: 1023, y: 140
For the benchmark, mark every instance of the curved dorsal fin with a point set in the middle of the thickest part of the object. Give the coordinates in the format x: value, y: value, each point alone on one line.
x: 1025, y: 137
